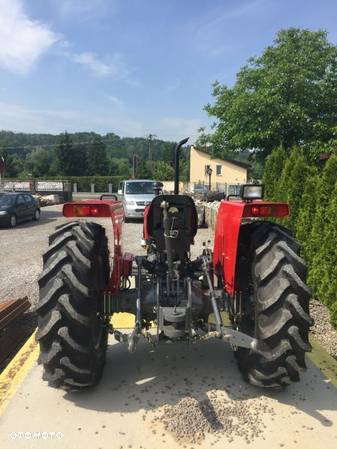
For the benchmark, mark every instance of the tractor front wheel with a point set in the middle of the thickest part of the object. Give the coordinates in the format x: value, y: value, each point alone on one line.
x: 71, y: 333
x: 269, y: 259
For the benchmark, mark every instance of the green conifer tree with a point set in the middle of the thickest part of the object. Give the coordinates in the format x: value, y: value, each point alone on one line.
x: 97, y: 158
x: 273, y: 169
x: 307, y: 210
x: 314, y: 248
x: 324, y: 267
x: 290, y: 184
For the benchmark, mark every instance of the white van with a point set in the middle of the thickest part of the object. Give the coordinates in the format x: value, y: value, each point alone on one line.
x: 135, y: 195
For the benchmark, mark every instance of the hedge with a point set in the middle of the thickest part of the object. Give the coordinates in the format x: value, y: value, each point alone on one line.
x: 312, y: 194
x: 101, y: 182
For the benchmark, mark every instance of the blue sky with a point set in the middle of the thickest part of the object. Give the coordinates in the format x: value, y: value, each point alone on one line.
x: 133, y: 66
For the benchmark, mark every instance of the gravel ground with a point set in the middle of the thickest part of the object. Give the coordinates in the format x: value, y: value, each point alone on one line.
x: 190, y: 420
x: 21, y: 251
x: 22, y: 248
x: 322, y: 329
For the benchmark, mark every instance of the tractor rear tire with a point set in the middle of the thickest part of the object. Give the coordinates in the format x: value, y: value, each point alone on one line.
x: 71, y: 333
x: 281, y: 307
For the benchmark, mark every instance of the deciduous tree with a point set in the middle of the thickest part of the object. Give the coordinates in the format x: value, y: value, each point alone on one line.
x: 287, y: 96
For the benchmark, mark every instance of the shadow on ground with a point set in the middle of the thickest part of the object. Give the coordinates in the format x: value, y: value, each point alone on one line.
x: 150, y: 378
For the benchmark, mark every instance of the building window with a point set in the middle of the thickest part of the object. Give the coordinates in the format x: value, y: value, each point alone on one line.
x: 218, y: 170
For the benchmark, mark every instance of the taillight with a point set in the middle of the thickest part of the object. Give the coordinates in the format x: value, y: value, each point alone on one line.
x: 80, y: 211
x: 86, y: 210
x: 266, y: 210
x: 94, y: 212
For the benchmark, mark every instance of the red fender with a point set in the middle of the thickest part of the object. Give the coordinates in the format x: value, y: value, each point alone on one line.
x: 122, y: 263
x: 227, y: 231
x: 146, y: 213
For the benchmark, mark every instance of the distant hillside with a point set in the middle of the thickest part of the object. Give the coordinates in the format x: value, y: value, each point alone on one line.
x: 118, y: 147
x: 87, y: 154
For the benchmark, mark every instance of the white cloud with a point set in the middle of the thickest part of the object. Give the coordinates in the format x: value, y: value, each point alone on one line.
x: 22, y: 40
x: 173, y: 86
x: 18, y: 117
x: 115, y: 68
x: 116, y: 101
x: 220, y: 15
x: 83, y: 9
x: 176, y: 128
x: 206, y: 32
x: 22, y: 118
x: 98, y: 67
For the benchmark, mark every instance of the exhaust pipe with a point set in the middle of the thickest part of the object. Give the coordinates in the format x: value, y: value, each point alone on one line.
x: 168, y: 237
x: 176, y: 165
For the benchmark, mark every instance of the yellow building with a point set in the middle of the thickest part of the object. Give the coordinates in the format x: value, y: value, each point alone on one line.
x: 224, y: 171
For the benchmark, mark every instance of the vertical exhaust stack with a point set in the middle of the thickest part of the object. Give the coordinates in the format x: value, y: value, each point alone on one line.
x: 176, y: 165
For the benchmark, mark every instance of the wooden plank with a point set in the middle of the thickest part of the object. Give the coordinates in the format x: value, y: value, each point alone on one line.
x: 11, y: 309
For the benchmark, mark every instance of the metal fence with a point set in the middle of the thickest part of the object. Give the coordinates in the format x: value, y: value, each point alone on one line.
x: 61, y: 188
x: 65, y: 188
x: 228, y: 189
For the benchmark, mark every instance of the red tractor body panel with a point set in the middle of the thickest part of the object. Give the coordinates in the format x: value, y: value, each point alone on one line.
x: 230, y: 215
x: 227, y: 230
x: 146, y: 213
x: 122, y: 263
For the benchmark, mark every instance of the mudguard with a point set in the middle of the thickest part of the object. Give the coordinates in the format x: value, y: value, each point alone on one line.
x: 109, y: 209
x: 227, y: 230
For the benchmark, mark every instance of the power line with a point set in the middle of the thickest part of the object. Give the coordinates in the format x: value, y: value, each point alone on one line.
x: 44, y: 145
x: 150, y: 138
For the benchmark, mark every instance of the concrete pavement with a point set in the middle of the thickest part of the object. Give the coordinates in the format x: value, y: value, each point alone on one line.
x: 119, y: 412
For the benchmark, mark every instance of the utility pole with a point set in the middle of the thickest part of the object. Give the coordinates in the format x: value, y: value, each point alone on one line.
x: 135, y: 158
x: 2, y: 170
x: 209, y: 172
x: 150, y: 138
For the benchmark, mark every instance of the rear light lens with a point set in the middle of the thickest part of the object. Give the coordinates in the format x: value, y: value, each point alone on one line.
x: 94, y: 212
x: 266, y: 210
x: 81, y: 211
x: 86, y: 210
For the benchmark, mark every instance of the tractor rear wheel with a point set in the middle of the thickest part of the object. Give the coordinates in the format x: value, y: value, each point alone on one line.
x: 71, y: 333
x: 269, y: 259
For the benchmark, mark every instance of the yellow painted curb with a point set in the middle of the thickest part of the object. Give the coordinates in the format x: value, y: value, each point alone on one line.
x: 123, y: 321
x: 13, y: 375
x: 16, y: 371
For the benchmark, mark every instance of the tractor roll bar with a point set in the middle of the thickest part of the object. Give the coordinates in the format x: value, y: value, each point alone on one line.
x: 176, y: 165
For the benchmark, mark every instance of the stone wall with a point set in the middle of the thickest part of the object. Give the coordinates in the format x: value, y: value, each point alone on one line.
x: 207, y: 213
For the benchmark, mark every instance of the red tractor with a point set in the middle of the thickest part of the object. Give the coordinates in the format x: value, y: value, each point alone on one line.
x: 254, y: 274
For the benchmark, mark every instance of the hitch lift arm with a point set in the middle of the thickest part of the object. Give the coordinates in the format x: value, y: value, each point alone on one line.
x: 234, y: 337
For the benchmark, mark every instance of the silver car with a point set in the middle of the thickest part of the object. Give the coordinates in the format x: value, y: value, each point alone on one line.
x: 136, y: 194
